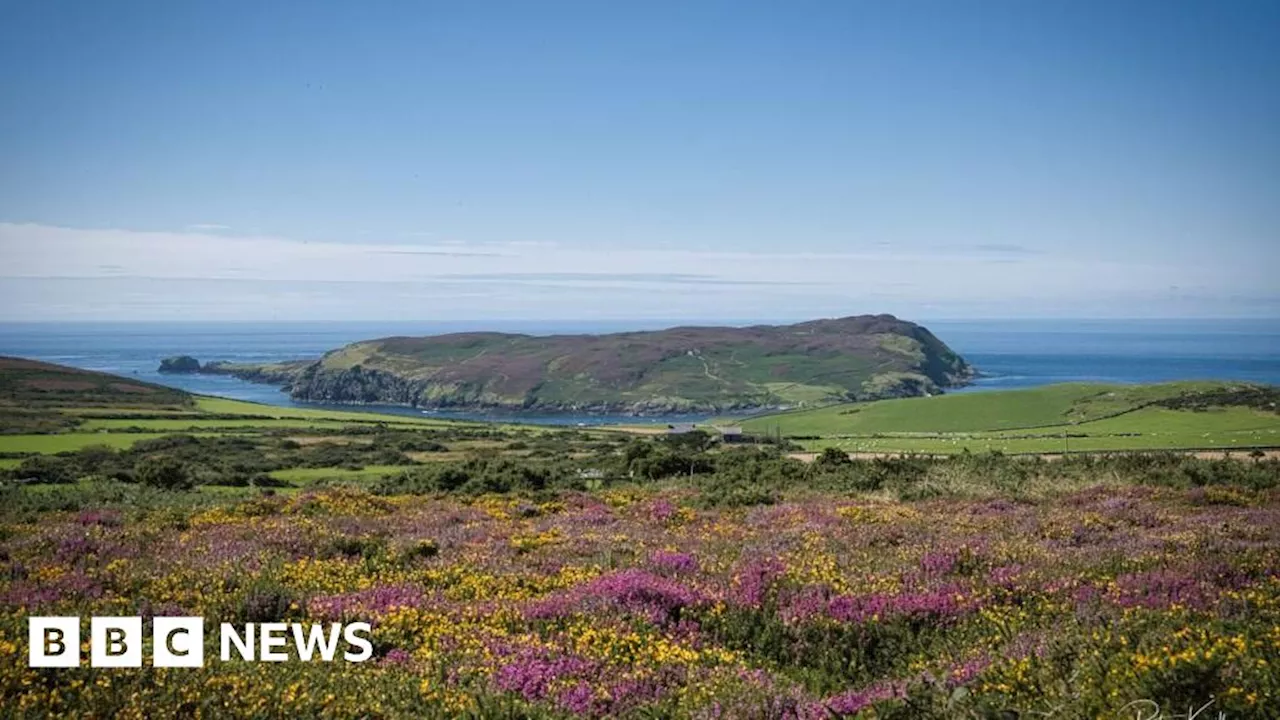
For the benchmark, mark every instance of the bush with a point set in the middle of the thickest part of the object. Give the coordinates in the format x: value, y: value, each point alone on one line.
x: 164, y: 473
x: 693, y: 441
x: 45, y: 469
x: 667, y: 464
x: 727, y: 493
x: 97, y: 460
x: 420, y: 481
x: 168, y: 442
x: 422, y: 549
x: 265, y: 602
x: 362, y: 546
x: 264, y: 480
x: 832, y: 457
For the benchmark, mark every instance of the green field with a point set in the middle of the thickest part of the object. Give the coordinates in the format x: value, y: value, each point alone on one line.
x: 212, y: 424
x: 1051, y: 445
x: 66, y: 442
x: 116, y: 432
x: 1075, y: 417
x: 309, y: 475
x: 1007, y: 410
x: 1060, y: 418
x: 224, y: 406
x: 115, y: 412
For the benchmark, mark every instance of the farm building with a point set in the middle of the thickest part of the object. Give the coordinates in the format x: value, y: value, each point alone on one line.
x: 732, y: 434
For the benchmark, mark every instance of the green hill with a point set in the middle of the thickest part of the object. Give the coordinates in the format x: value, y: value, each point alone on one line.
x: 1079, y: 416
x: 30, y: 390
x: 28, y: 384
x: 681, y: 369
x: 970, y: 412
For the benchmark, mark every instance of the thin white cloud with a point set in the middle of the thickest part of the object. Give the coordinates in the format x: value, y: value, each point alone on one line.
x: 48, y: 272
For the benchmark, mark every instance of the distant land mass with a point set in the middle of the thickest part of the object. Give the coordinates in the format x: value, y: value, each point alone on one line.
x: 33, y: 395
x: 682, y: 369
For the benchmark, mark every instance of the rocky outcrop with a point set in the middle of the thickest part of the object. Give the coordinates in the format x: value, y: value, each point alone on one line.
x: 282, y: 374
x: 179, y: 364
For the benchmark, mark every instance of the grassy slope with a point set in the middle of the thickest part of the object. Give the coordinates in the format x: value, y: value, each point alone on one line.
x: 1098, y: 417
x: 225, y: 406
x: 209, y: 424
x: 32, y: 384
x: 66, y: 442
x: 973, y: 412
x: 948, y: 413
x: 1095, y: 417
x: 1205, y: 437
x: 113, y: 431
x: 679, y: 367
x: 88, y: 417
x: 308, y: 475
x: 32, y: 390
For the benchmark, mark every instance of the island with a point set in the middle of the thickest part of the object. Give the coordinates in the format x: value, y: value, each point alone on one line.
x: 677, y: 370
x: 179, y: 365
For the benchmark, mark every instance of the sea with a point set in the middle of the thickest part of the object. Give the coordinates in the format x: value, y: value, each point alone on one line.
x: 1007, y: 353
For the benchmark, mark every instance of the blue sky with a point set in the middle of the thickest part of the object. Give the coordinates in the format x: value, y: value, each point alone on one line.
x: 432, y: 160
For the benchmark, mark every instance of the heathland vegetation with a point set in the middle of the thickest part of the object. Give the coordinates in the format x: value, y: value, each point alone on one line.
x: 526, y: 572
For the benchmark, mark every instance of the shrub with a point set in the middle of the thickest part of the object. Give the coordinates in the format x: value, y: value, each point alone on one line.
x: 832, y: 457
x: 721, y: 493
x: 362, y: 546
x: 668, y: 464
x: 164, y: 473
x: 265, y: 602
x: 45, y: 469
x: 264, y: 480
x: 168, y: 442
x: 422, y: 549
x: 97, y: 459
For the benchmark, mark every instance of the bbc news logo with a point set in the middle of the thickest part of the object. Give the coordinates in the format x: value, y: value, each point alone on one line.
x: 117, y: 642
